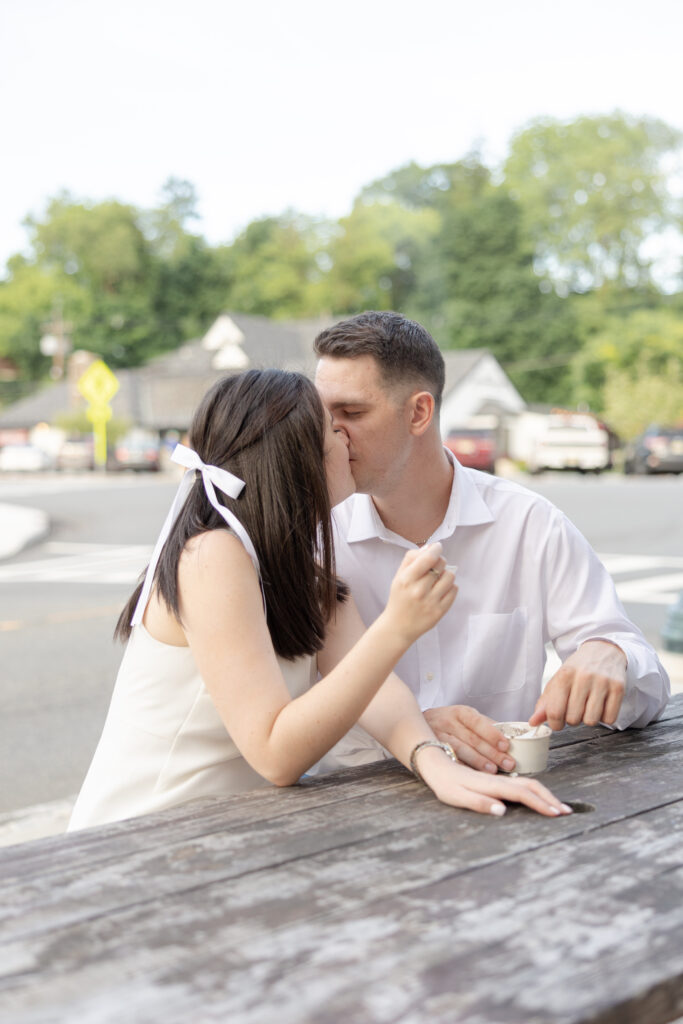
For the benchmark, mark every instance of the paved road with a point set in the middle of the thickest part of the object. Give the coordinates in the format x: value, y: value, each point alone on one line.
x: 641, y: 518
x: 60, y: 599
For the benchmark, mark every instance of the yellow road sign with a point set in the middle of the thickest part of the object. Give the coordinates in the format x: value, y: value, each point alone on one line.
x: 98, y: 416
x: 99, y: 413
x: 98, y: 384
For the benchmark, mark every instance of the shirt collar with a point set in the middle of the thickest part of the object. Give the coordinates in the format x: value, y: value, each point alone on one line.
x: 466, y: 507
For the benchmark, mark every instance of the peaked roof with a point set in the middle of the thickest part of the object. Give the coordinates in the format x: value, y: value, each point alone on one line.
x: 165, y: 392
x: 460, y: 362
x: 236, y: 341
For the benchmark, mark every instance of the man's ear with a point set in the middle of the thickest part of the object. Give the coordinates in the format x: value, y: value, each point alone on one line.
x: 422, y: 408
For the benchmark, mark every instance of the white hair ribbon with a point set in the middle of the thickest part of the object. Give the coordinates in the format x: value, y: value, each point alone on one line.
x: 212, y: 477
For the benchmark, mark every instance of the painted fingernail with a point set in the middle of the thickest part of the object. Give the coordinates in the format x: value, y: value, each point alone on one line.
x: 555, y: 810
x: 508, y: 764
x: 488, y: 767
x: 498, y: 809
x: 567, y: 809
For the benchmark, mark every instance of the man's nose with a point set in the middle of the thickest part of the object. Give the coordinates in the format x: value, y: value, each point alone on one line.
x: 336, y: 425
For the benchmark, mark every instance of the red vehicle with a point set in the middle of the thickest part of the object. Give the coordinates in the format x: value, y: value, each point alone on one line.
x: 474, y: 447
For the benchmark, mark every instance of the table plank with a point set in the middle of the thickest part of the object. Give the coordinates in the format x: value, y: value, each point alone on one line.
x: 230, y: 845
x: 477, y: 943
x: 203, y: 816
x: 582, y: 733
x: 382, y: 882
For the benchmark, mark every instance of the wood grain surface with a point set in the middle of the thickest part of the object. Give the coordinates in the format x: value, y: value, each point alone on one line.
x: 359, y: 898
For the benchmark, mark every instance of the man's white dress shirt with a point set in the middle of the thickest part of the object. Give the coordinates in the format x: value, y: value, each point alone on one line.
x: 526, y: 577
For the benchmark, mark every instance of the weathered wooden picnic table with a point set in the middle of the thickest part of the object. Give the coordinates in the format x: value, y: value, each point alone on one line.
x: 359, y: 898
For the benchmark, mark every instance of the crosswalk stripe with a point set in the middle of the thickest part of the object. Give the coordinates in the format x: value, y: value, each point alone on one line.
x: 660, y: 589
x: 617, y: 564
x: 122, y: 564
x: 97, y: 564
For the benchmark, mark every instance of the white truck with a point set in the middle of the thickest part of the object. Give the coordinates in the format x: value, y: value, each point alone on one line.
x: 561, y: 440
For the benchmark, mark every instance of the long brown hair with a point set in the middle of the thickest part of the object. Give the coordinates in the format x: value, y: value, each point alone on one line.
x: 268, y: 428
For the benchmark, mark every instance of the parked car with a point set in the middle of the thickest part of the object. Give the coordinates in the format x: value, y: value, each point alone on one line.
x: 571, y: 440
x: 474, y: 447
x: 138, y: 450
x: 23, y: 458
x: 76, y: 453
x: 656, y: 450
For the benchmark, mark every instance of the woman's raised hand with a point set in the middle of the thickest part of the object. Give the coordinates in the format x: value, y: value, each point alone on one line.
x: 422, y: 591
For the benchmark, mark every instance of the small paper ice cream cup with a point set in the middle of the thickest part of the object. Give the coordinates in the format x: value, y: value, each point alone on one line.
x: 530, y: 753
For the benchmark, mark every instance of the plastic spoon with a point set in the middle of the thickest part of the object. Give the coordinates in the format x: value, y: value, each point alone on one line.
x: 530, y: 733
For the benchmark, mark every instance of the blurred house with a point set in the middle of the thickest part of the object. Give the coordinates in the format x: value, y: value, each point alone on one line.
x: 479, y: 396
x: 163, y: 395
x: 476, y: 385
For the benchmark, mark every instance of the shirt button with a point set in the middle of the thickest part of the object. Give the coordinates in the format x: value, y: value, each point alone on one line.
x: 430, y: 676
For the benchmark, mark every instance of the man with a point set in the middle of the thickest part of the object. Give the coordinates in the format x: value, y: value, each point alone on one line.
x: 526, y: 576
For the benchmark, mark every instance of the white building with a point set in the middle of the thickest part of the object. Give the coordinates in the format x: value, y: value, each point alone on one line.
x: 476, y: 386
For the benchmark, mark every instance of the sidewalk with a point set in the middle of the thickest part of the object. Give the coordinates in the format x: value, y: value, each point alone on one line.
x: 673, y: 663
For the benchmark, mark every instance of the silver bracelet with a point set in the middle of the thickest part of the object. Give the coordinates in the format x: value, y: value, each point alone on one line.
x: 446, y: 747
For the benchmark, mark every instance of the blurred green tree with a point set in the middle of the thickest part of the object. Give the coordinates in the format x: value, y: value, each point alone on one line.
x: 474, y: 284
x: 416, y: 187
x: 593, y: 190
x: 624, y: 348
x: 101, y: 247
x: 29, y: 298
x: 547, y: 266
x: 188, y: 279
x: 273, y: 267
x: 633, y: 399
x: 376, y: 255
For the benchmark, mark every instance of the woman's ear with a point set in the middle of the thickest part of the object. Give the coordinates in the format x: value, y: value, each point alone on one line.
x: 422, y: 408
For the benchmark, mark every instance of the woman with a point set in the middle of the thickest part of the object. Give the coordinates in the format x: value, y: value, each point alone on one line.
x: 215, y: 692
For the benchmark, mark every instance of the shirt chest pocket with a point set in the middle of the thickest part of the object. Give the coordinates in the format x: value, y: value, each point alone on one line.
x: 496, y: 653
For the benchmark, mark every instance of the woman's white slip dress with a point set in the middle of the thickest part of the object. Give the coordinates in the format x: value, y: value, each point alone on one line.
x: 163, y: 741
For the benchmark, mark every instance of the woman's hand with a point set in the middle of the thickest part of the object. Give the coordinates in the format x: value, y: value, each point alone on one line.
x: 460, y: 786
x: 422, y: 591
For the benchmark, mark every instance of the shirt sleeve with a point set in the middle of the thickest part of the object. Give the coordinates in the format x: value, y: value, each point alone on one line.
x: 582, y: 604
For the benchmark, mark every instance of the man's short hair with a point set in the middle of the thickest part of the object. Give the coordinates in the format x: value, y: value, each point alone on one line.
x: 404, y: 351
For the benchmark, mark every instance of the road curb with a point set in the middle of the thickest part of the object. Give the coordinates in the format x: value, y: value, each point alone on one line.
x: 36, y: 822
x: 19, y: 527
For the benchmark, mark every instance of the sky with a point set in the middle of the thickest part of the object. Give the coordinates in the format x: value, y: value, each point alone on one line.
x: 267, y: 105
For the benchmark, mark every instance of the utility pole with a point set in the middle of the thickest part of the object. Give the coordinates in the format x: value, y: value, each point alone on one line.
x: 56, y: 340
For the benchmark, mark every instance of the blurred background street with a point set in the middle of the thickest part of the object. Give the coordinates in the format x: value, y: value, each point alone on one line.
x: 189, y: 196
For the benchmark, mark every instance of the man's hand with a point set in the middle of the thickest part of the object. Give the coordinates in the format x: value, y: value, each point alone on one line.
x: 473, y: 736
x: 588, y: 688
